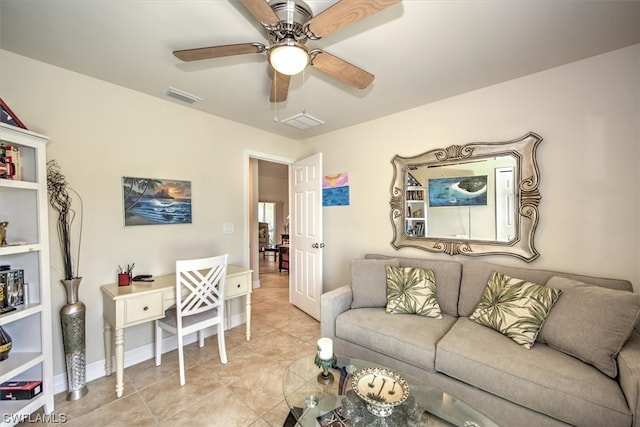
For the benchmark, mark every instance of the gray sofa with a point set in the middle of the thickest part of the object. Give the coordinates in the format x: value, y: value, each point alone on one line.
x: 547, y: 385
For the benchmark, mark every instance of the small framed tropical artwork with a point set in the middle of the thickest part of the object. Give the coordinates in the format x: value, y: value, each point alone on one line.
x: 149, y: 201
x: 458, y: 191
x: 335, y: 190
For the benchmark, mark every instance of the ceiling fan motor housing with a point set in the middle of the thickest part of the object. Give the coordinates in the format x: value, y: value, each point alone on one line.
x: 293, y: 14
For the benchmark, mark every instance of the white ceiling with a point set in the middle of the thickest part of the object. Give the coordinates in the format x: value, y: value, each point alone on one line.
x: 419, y: 50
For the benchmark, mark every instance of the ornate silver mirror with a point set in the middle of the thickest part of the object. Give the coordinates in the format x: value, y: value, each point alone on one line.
x: 473, y: 199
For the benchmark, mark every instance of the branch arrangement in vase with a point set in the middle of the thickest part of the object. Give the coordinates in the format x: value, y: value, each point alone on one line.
x: 60, y: 199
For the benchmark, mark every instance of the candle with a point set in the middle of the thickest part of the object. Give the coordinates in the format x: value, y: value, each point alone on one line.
x: 325, y: 349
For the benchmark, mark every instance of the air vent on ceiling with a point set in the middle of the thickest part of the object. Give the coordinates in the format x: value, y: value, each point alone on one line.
x: 302, y: 121
x: 182, y: 95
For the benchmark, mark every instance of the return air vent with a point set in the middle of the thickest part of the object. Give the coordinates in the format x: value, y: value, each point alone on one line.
x: 302, y: 121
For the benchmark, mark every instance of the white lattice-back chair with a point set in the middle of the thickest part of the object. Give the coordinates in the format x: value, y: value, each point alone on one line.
x: 200, y: 290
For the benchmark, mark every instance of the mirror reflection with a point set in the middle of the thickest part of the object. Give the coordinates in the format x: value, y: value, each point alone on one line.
x: 464, y: 200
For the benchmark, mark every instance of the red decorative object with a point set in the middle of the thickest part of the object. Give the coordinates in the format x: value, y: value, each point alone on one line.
x: 7, y: 116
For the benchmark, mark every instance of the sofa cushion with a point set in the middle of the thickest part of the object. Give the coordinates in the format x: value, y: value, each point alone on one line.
x: 448, y: 275
x: 541, y: 379
x: 405, y: 337
x: 590, y: 322
x: 515, y: 307
x: 369, y: 282
x: 412, y: 291
x: 475, y: 275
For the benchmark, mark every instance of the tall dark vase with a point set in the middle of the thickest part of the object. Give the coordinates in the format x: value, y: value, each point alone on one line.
x: 5, y: 344
x: 72, y: 317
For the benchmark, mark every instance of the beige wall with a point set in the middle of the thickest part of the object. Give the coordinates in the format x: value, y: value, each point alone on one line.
x: 101, y: 132
x: 588, y: 114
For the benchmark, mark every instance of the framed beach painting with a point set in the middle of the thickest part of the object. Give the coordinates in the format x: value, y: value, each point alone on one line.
x: 149, y: 201
x: 458, y: 191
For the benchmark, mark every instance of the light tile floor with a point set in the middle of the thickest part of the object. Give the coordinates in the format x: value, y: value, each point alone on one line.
x: 247, y: 391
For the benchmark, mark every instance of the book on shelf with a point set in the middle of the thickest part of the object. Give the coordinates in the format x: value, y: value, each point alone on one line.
x: 11, y: 288
x: 6, y: 169
x: 415, y: 228
x: 10, y: 162
x: 20, y: 390
x: 415, y: 195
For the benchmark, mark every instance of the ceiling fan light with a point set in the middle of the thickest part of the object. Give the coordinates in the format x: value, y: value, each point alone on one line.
x: 288, y: 58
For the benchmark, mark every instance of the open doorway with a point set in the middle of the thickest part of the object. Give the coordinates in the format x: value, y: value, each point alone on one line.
x: 304, y: 187
x: 268, y: 217
x: 270, y: 242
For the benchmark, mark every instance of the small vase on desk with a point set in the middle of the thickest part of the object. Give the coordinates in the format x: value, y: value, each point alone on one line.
x: 72, y: 317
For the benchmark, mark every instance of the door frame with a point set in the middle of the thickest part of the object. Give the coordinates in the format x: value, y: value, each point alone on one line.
x: 252, y: 259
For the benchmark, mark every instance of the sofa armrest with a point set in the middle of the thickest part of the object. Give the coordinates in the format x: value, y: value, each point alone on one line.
x: 629, y: 374
x: 332, y: 304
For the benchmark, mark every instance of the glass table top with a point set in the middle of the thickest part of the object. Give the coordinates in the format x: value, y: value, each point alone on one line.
x: 315, y: 404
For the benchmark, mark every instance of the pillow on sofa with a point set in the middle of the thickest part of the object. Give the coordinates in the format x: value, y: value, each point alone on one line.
x: 590, y: 322
x: 412, y: 291
x: 515, y: 307
x: 369, y: 282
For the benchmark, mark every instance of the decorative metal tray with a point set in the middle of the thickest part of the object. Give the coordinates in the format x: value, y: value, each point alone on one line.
x: 382, y: 389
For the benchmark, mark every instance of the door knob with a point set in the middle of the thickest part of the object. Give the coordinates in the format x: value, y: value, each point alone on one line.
x: 317, y: 245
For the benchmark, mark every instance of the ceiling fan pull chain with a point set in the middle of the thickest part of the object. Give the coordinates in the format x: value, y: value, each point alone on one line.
x: 304, y: 98
x: 275, y: 89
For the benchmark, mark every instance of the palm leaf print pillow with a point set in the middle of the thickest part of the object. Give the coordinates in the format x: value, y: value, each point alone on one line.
x: 412, y: 291
x: 515, y: 307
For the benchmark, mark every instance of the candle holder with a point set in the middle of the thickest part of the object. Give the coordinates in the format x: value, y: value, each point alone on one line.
x: 325, y: 377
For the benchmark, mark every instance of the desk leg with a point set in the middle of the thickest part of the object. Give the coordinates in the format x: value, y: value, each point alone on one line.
x: 248, y: 309
x: 108, y: 337
x: 119, y: 361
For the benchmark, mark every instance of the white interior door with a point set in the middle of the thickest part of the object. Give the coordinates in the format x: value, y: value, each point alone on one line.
x: 305, y: 234
x: 505, y: 204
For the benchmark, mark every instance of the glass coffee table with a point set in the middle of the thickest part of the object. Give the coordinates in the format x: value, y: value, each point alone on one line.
x: 315, y: 404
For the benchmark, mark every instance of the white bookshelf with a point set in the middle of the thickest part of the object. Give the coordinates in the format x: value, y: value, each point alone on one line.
x: 415, y: 211
x: 24, y: 204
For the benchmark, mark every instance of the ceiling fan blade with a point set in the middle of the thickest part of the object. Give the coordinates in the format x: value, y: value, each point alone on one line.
x: 344, y: 13
x: 279, y: 87
x: 261, y: 10
x: 218, y: 51
x: 341, y: 69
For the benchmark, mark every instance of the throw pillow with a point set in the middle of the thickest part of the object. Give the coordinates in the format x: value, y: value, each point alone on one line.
x: 412, y: 291
x: 368, y: 282
x: 515, y: 307
x: 590, y: 322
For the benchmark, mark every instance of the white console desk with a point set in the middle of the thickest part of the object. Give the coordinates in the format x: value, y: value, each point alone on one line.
x: 141, y: 302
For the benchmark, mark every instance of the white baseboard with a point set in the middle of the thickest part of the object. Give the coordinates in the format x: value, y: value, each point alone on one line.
x: 134, y: 356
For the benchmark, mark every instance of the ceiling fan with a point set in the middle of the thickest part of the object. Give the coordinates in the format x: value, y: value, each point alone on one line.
x: 290, y: 24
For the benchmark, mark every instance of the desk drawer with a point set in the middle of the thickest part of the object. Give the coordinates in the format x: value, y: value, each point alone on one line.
x: 143, y: 308
x: 237, y: 285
